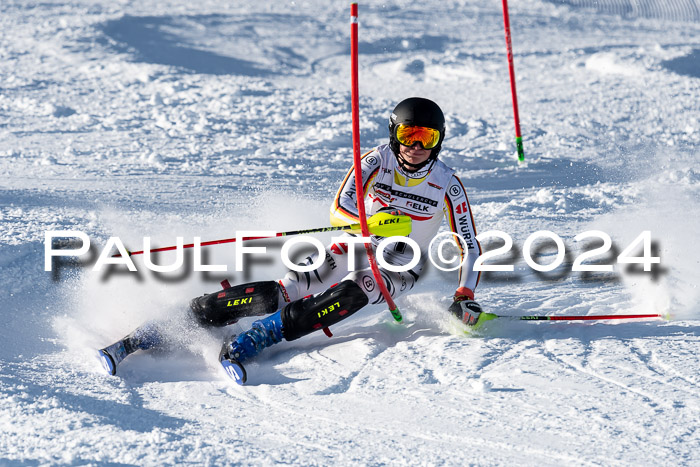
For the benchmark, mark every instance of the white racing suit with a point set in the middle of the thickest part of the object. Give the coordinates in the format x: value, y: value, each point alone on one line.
x: 301, y: 303
x: 438, y: 194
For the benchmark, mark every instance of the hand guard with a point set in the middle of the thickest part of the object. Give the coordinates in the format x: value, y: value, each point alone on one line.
x: 466, y: 310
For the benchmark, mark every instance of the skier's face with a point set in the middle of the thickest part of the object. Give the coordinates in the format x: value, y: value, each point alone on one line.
x: 414, y: 154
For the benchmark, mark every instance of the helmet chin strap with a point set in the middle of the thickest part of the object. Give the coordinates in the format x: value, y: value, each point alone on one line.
x: 413, y: 168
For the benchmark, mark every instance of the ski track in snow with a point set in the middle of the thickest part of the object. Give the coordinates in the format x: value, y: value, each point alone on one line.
x: 161, y: 119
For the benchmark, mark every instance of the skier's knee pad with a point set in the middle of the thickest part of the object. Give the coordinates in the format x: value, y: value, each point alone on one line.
x: 230, y: 305
x: 304, y: 316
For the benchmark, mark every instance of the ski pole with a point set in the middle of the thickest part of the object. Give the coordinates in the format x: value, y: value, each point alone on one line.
x: 511, y: 72
x: 382, y: 224
x: 490, y: 316
x: 355, y: 112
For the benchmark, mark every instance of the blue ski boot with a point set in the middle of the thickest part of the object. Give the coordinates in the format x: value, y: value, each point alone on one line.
x: 263, y: 333
x: 146, y: 337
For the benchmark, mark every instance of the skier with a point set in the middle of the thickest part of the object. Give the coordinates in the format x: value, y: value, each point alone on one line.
x: 404, y: 176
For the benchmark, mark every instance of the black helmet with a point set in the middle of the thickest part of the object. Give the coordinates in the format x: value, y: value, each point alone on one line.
x: 420, y: 112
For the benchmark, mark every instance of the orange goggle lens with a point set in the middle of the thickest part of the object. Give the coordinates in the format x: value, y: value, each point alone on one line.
x: 409, y: 135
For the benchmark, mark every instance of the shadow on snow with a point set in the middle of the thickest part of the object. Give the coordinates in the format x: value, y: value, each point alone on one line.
x: 149, y: 40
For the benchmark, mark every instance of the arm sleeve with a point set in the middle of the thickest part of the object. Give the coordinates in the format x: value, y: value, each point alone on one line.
x: 459, y: 217
x: 344, y: 208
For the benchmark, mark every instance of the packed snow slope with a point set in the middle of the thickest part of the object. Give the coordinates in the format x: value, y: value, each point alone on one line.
x: 172, y: 118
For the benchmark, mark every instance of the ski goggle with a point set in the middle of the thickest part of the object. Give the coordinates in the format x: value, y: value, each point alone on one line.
x: 409, y: 135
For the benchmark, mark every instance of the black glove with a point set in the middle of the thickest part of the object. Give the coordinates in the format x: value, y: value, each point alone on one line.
x: 467, y: 311
x: 391, y: 210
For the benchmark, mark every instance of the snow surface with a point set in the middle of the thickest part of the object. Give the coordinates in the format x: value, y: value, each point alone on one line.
x: 170, y: 118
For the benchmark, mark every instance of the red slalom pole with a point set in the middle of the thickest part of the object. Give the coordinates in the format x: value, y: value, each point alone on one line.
x: 359, y: 193
x: 511, y: 72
